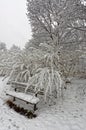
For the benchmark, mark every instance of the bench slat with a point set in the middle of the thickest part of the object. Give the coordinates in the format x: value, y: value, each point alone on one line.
x: 19, y: 83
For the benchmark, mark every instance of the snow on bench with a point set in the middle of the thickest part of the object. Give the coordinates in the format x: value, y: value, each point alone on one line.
x: 24, y: 97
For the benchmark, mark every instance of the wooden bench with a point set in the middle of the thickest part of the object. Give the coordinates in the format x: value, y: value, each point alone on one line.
x: 32, y: 99
x: 19, y: 89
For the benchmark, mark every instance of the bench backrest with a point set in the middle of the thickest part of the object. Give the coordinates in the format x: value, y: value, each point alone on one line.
x: 21, y: 86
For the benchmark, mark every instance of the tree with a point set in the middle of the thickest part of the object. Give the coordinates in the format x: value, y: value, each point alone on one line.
x: 8, y: 59
x: 3, y: 46
x: 56, y: 21
x: 15, y: 48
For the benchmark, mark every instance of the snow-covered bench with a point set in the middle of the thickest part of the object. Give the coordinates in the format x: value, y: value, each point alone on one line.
x: 32, y: 99
x: 19, y: 90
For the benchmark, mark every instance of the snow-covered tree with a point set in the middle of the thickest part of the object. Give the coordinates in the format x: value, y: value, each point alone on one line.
x: 15, y: 48
x: 55, y: 24
x: 58, y: 21
x: 3, y: 46
x: 7, y: 60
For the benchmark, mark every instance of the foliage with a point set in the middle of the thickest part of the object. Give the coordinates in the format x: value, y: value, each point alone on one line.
x: 47, y: 76
x: 3, y: 46
x: 7, y: 60
x: 58, y: 22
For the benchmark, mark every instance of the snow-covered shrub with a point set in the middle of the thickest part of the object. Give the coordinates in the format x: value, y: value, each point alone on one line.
x: 47, y: 76
x: 47, y: 81
x: 7, y: 60
x: 22, y: 68
x: 5, y: 64
x: 23, y: 74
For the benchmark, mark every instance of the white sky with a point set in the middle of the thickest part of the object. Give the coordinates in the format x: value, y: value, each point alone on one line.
x: 14, y: 25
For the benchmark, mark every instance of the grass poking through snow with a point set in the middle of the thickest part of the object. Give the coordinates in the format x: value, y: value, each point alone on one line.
x: 21, y: 110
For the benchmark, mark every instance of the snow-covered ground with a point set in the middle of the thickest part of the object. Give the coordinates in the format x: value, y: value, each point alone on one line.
x: 67, y: 114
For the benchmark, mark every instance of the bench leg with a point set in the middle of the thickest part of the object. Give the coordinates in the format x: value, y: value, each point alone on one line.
x: 14, y: 99
x: 35, y: 107
x: 15, y: 89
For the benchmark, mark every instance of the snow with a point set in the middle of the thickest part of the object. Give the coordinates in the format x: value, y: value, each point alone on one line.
x: 66, y: 114
x: 28, y: 98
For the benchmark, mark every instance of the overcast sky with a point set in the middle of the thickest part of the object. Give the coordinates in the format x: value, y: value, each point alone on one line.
x: 14, y: 25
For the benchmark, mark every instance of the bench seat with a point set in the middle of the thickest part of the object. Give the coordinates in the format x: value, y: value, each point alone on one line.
x: 24, y: 97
